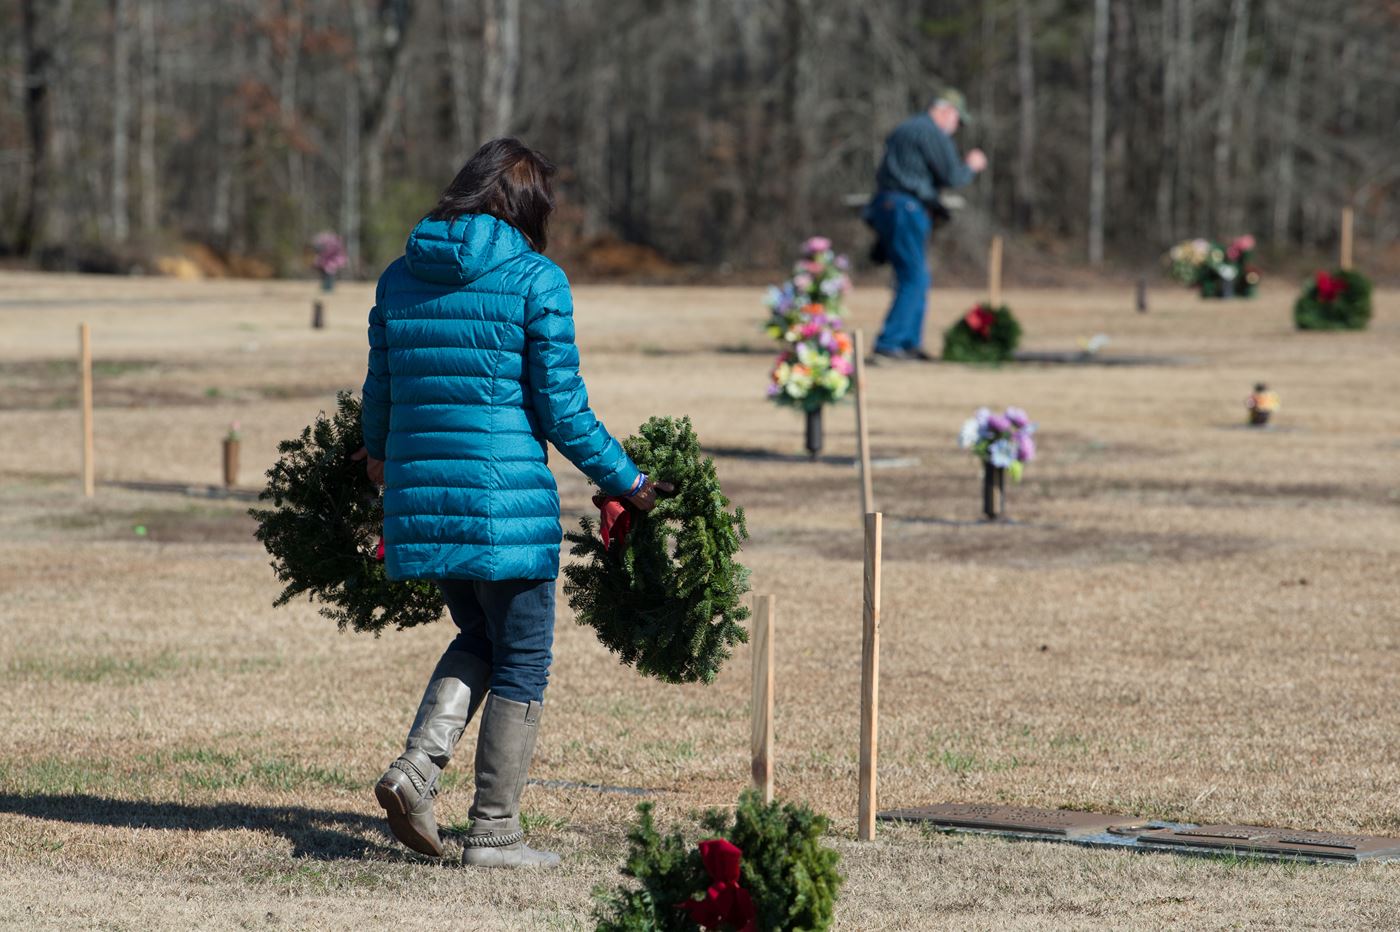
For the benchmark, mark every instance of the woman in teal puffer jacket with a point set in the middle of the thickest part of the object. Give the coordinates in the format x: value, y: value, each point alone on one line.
x: 472, y: 368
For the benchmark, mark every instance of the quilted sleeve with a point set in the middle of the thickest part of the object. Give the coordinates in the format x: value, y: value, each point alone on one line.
x: 558, y: 393
x: 375, y: 396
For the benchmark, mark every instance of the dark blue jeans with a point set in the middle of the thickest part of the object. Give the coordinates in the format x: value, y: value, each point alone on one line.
x: 903, y: 227
x: 510, y: 625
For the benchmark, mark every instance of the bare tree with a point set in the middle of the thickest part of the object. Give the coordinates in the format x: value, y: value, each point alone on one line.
x: 501, y: 55
x: 38, y: 73
x: 715, y: 132
x: 121, y: 118
x: 146, y: 143
x: 1025, y: 140
x: 1098, y: 131
x: 1225, y: 121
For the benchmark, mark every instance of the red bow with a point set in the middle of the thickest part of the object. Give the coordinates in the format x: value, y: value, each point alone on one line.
x: 980, y: 320
x: 1328, y: 287
x: 614, y: 520
x: 725, y: 902
x: 379, y: 549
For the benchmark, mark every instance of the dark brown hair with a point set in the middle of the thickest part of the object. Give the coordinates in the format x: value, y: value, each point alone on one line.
x: 508, y: 180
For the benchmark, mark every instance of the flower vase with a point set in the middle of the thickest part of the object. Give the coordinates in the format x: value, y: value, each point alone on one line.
x: 1258, y: 418
x: 327, y: 282
x: 993, y: 491
x: 230, y: 462
x: 1227, y: 288
x: 814, y: 432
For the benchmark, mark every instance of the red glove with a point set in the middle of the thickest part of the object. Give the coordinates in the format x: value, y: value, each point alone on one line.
x: 614, y: 520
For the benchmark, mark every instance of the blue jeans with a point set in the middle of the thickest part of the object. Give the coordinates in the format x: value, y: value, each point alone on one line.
x: 903, y: 227
x: 510, y: 625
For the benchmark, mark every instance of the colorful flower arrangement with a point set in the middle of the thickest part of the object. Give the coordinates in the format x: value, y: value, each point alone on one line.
x: 1218, y: 271
x: 983, y: 334
x: 1261, y: 404
x: 820, y: 277
x: 1004, y: 441
x: 817, y: 359
x: 1339, y: 300
x: 330, y: 257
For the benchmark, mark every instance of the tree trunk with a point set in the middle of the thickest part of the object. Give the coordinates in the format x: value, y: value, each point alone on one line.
x: 146, y: 143
x: 500, y: 41
x: 38, y: 65
x: 1025, y: 148
x: 1167, y: 167
x: 378, y: 85
x: 1098, y: 132
x: 986, y: 103
x: 350, y: 177
x: 1222, y: 195
x: 1185, y: 190
x: 460, y: 60
x: 121, y: 119
x: 1285, y: 191
x: 287, y: 107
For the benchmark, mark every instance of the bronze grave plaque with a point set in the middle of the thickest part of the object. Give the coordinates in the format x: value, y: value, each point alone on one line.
x: 1060, y: 823
x: 1258, y: 839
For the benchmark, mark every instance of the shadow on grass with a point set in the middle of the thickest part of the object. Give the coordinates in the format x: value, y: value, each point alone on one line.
x: 314, y: 833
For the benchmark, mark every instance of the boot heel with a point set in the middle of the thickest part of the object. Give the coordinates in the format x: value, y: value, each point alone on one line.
x: 388, y: 795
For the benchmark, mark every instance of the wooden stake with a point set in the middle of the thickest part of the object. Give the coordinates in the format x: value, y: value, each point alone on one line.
x: 1346, y: 237
x: 870, y: 681
x: 85, y: 374
x: 761, y: 736
x: 867, y: 486
x: 318, y: 315
x: 994, y: 273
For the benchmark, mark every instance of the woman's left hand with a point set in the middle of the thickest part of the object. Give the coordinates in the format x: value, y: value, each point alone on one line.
x: 645, y: 499
x: 373, y: 467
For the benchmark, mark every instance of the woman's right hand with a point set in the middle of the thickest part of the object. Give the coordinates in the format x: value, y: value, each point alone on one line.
x: 374, y: 467
x: 645, y: 499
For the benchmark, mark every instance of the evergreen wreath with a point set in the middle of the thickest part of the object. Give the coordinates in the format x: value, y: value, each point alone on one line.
x: 789, y: 873
x: 668, y: 600
x: 323, y: 527
x: 983, y: 334
x: 1339, y: 301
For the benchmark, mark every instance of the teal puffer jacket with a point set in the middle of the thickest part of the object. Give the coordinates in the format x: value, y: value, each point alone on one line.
x: 472, y: 367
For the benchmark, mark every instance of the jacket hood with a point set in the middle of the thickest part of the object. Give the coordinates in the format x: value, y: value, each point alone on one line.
x: 457, y: 252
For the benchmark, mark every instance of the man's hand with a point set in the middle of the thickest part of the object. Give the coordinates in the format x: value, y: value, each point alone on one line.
x: 977, y: 160
x: 374, y: 467
x: 645, y: 499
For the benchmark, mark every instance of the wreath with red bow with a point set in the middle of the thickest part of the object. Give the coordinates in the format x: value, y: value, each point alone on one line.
x: 761, y: 867
x: 1339, y: 300
x: 664, y: 590
x: 983, y: 334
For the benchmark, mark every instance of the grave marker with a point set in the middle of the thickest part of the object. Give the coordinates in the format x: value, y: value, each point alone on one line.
x: 1063, y: 823
x: 1258, y: 839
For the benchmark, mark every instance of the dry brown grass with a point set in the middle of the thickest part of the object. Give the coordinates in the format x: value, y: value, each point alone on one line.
x: 174, y: 752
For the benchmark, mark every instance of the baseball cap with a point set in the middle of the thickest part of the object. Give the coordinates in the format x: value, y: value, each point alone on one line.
x: 955, y: 99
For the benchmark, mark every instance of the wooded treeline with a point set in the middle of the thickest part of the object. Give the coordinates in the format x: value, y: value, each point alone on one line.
x: 718, y: 132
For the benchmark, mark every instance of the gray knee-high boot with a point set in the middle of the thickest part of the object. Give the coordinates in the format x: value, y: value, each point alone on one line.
x: 504, y: 749
x: 407, y: 789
